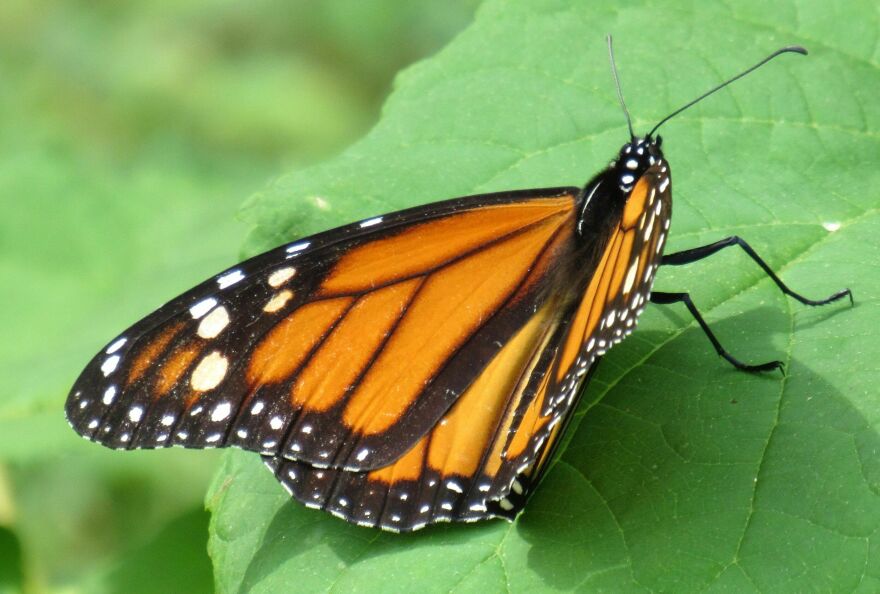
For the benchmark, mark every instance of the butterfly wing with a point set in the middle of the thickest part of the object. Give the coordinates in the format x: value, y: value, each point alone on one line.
x: 342, y: 350
x: 484, y: 456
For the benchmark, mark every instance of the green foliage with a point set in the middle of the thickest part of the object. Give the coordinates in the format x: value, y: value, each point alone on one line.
x: 129, y: 135
x: 680, y: 474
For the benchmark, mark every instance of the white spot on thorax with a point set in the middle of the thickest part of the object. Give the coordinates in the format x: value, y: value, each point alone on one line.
x: 230, y: 278
x: 214, y: 323
x: 632, y: 164
x: 202, y: 307
x: 281, y: 276
x: 209, y: 372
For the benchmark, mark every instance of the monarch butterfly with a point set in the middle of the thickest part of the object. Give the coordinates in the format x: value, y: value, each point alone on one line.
x: 412, y: 368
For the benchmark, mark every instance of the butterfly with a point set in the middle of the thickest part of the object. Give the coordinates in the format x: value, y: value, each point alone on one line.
x: 411, y: 368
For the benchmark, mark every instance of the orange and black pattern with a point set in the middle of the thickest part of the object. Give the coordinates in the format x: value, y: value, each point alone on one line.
x: 405, y: 370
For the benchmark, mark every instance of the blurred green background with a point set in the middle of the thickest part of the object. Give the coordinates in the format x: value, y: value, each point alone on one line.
x: 130, y: 132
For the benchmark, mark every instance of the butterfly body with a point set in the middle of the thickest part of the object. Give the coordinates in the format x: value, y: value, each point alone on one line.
x: 426, y: 357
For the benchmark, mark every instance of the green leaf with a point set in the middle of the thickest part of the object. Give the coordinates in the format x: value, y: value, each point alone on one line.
x: 680, y: 474
x: 11, y: 566
x: 173, y: 561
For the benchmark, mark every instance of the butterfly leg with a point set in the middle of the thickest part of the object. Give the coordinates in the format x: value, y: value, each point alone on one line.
x: 698, y: 253
x: 667, y: 298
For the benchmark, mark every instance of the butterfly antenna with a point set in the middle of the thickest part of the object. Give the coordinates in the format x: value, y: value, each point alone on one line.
x: 792, y: 49
x: 619, y: 92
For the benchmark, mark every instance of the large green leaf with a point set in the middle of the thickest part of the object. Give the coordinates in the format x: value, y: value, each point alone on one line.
x: 681, y: 474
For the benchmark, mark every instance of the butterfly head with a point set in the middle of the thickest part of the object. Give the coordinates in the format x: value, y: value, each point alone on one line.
x: 634, y: 159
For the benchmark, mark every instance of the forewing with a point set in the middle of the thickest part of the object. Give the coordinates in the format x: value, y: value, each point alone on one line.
x: 340, y: 350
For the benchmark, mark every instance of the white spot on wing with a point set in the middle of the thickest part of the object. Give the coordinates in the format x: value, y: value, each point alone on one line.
x: 281, y: 276
x: 276, y: 423
x: 631, y: 276
x: 230, y: 278
x: 221, y: 411
x: 371, y: 222
x: 202, y: 307
x: 109, y: 395
x: 257, y: 408
x: 664, y: 184
x: 109, y: 365
x: 278, y: 301
x: 214, y: 323
x: 297, y: 247
x: 209, y: 372
x: 362, y: 455
x: 135, y: 414
x: 116, y: 346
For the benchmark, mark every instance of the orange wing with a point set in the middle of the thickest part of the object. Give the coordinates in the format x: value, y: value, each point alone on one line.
x: 483, y: 457
x: 342, y: 350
